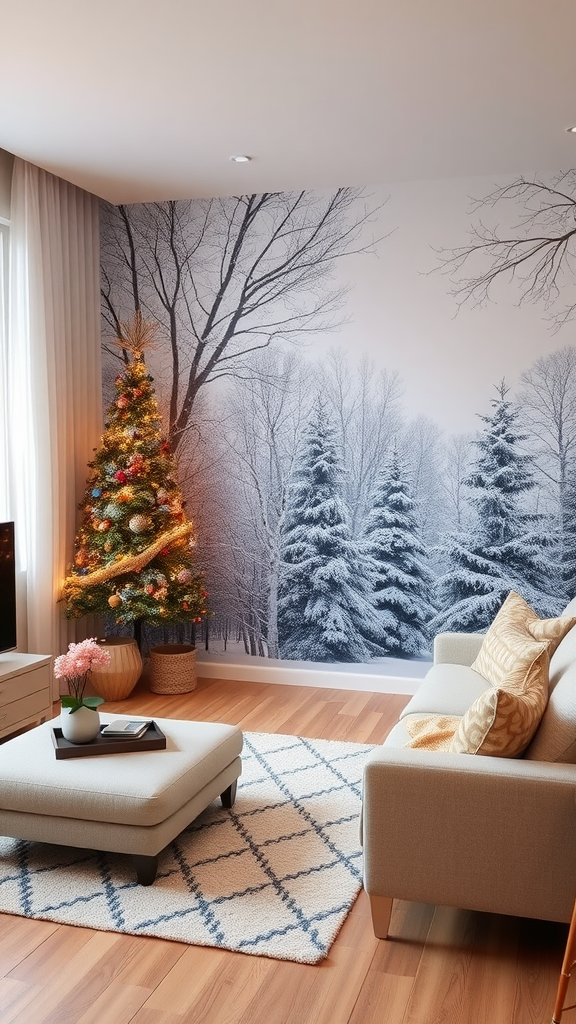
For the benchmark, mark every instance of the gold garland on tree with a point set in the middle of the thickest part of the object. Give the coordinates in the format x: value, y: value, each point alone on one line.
x: 126, y: 563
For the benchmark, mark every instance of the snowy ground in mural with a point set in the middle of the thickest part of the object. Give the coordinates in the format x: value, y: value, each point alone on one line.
x: 401, y: 668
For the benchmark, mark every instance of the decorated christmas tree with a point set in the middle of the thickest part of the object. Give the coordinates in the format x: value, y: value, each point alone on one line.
x: 133, y: 555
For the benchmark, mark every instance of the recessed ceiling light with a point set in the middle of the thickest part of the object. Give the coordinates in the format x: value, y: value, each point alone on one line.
x: 243, y: 159
x: 572, y: 129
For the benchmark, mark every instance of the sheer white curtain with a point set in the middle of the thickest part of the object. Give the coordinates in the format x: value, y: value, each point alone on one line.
x: 54, y: 387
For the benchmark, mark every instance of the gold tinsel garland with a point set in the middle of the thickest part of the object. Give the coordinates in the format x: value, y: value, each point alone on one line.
x: 74, y: 584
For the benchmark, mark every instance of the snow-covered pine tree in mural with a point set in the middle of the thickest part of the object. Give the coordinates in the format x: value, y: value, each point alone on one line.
x: 547, y: 400
x: 505, y: 551
x: 324, y: 608
x: 397, y: 565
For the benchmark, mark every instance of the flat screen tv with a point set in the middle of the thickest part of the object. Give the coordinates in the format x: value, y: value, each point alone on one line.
x: 7, y: 588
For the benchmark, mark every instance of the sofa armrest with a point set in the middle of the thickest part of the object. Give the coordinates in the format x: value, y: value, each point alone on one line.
x: 481, y: 833
x: 457, y: 648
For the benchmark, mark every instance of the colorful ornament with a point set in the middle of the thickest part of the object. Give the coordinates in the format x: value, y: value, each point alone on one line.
x: 149, y: 589
x: 161, y: 494
x: 108, y: 546
x: 112, y: 511
x: 115, y: 600
x: 140, y: 523
x: 122, y: 402
x: 104, y: 525
x: 96, y: 492
x: 184, y: 576
x: 120, y: 476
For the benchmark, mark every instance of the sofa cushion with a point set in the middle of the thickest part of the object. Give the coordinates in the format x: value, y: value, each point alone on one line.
x: 555, y: 739
x: 503, y: 720
x: 446, y: 690
x: 500, y: 659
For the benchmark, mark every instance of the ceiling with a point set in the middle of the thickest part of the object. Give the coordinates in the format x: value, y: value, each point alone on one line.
x: 140, y: 100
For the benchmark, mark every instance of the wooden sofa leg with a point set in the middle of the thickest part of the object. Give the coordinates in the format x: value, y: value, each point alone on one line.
x: 381, y: 908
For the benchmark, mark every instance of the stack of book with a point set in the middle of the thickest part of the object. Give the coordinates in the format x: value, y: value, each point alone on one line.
x: 126, y: 728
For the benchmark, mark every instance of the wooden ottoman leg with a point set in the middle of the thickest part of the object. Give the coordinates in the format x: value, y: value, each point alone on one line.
x: 229, y: 795
x: 146, y: 868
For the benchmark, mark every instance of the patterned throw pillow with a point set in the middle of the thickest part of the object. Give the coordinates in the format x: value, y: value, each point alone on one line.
x: 516, y: 621
x: 503, y: 719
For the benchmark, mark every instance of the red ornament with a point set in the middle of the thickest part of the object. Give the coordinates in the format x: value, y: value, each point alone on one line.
x: 120, y: 476
x: 165, y: 448
x: 122, y: 402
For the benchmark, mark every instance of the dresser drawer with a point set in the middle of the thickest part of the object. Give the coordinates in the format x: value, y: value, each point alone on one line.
x: 16, y: 687
x: 19, y: 710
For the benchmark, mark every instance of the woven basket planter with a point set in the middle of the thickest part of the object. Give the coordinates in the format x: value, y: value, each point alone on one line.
x: 173, y: 668
x: 116, y: 680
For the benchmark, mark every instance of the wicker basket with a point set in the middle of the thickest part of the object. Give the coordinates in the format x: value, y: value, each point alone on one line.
x: 116, y: 680
x: 173, y: 668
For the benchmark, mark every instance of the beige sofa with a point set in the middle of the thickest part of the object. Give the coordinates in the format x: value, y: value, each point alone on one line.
x: 478, y: 832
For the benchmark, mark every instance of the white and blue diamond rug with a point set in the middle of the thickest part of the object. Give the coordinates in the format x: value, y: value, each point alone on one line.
x: 275, y: 876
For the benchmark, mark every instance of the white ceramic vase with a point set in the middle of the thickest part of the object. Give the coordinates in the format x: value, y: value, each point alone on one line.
x: 81, y: 727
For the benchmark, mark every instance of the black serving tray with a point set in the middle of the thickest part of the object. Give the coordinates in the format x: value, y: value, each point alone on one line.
x: 153, y: 739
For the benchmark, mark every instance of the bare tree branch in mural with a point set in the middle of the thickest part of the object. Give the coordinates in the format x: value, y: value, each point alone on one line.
x: 365, y: 407
x: 266, y: 415
x: 118, y: 252
x: 547, y: 400
x: 225, y: 278
x: 421, y: 446
x: 457, y: 464
x: 539, y: 251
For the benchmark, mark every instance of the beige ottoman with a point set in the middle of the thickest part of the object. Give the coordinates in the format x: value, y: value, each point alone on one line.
x: 132, y: 803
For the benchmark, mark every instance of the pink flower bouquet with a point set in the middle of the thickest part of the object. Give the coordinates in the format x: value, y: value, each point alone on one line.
x: 75, y: 667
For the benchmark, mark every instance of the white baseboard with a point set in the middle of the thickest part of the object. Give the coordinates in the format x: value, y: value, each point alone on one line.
x: 368, y: 678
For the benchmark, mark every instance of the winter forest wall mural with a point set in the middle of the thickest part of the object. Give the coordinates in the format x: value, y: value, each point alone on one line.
x: 372, y: 399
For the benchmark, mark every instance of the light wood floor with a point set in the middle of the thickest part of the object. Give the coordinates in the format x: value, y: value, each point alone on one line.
x: 442, y: 966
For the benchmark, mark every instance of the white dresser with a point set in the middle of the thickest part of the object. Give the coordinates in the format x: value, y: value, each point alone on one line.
x: 25, y: 691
